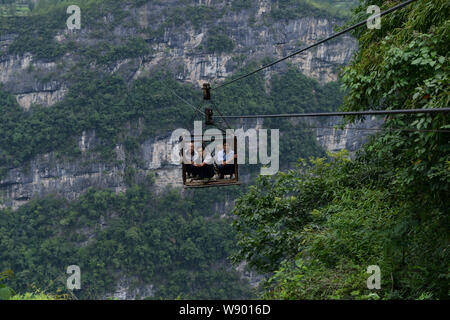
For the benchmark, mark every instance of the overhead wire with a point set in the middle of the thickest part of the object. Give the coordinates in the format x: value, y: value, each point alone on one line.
x: 188, y: 103
x: 334, y: 114
x: 381, y: 129
x: 324, y: 114
x: 220, y: 114
x: 335, y: 35
x: 182, y: 99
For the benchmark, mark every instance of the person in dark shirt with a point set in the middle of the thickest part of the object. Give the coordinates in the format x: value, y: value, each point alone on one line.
x: 189, y: 161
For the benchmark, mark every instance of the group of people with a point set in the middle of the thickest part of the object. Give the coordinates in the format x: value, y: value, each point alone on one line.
x: 200, y: 164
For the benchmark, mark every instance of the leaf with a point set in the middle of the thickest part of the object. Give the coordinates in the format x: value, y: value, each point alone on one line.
x: 5, y: 293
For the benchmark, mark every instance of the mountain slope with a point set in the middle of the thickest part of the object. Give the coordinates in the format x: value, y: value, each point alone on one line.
x: 94, y: 108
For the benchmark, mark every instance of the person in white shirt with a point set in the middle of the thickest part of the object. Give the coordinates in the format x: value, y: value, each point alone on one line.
x: 206, y: 168
x: 225, y: 161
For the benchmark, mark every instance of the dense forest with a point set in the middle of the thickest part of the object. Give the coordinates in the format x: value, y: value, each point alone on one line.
x: 316, y: 229
x: 169, y: 241
x: 311, y: 231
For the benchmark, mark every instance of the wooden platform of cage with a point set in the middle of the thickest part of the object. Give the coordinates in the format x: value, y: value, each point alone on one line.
x: 211, y: 183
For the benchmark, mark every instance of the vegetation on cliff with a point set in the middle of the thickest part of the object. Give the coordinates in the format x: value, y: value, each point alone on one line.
x: 169, y: 242
x: 165, y: 240
x: 312, y: 230
x: 107, y: 104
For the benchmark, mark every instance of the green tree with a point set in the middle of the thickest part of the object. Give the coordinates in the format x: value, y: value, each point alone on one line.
x: 315, y: 230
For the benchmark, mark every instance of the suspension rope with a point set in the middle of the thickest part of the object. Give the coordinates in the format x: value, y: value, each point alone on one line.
x: 359, y: 24
x: 182, y: 99
x: 334, y: 114
x: 381, y: 129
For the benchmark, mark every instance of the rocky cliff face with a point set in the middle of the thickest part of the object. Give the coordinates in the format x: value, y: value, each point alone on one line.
x: 256, y: 42
x: 47, y: 174
x: 351, y: 138
x: 23, y: 76
x: 35, y: 81
x: 181, y: 48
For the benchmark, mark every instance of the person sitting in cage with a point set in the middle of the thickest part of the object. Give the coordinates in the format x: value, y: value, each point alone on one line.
x: 225, y: 159
x: 189, y: 160
x: 205, y: 169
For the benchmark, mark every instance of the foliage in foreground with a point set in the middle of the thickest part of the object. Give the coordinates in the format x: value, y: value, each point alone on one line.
x: 33, y: 296
x: 6, y: 293
x: 317, y: 229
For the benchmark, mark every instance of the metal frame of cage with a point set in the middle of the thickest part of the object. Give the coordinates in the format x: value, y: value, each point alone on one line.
x: 212, y: 182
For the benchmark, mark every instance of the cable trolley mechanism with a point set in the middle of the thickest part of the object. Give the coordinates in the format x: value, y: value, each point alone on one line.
x: 205, y: 163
